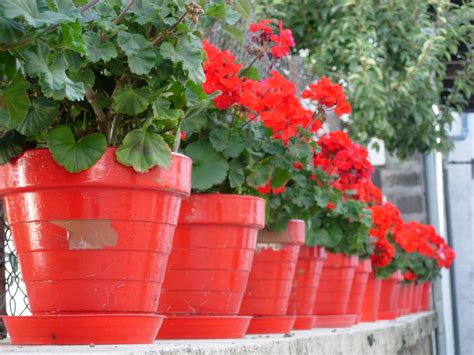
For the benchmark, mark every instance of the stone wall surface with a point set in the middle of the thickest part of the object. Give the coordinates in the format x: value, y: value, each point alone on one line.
x: 403, y: 184
x: 404, y: 336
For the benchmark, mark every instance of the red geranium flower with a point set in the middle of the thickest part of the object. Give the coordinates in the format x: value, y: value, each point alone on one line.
x: 328, y: 95
x: 283, y: 42
x: 410, y: 276
x: 222, y: 75
x: 383, y: 253
x: 262, y: 25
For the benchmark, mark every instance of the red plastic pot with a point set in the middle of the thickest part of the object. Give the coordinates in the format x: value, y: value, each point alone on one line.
x: 371, y: 302
x: 388, y: 296
x: 426, y: 295
x: 410, y: 296
x: 359, y: 286
x: 417, y: 297
x: 401, y: 300
x: 335, y: 285
x: 271, y: 279
x: 95, y: 241
x: 305, y: 285
x: 209, y: 266
x: 83, y: 329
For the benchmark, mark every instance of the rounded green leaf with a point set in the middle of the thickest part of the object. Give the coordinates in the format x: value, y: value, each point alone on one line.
x: 131, y: 101
x: 142, y: 150
x: 209, y: 167
x: 75, y: 156
x: 40, y: 115
x: 12, y: 143
x: 140, y: 52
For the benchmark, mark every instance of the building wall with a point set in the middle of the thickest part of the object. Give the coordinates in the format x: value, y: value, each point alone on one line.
x: 460, y: 198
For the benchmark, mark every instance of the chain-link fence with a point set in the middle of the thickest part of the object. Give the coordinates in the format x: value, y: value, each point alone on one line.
x: 13, y: 298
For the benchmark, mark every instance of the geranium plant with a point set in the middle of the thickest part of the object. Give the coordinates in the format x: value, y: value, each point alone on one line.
x: 76, y: 77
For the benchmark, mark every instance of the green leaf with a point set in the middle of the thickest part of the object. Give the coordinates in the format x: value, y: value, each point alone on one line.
x: 260, y: 174
x: 4, y: 118
x: 188, y: 52
x: 131, y: 101
x: 142, y: 150
x: 235, y: 32
x: 10, y: 30
x: 16, y: 99
x: 73, y: 38
x: 236, y: 174
x: 219, y: 138
x: 28, y: 9
x: 12, y: 144
x: 41, y: 114
x: 56, y: 84
x: 280, y: 177
x: 75, y: 156
x: 209, y: 167
x: 162, y: 112
x: 244, y: 8
x: 140, y: 52
x: 54, y: 81
x: 97, y: 50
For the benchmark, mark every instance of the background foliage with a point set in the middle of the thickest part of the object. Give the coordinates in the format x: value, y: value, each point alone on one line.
x: 393, y: 57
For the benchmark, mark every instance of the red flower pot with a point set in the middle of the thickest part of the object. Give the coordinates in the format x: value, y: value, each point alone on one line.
x: 402, y: 299
x: 95, y: 241
x: 371, y: 302
x: 209, y: 266
x: 271, y: 279
x: 425, y: 298
x: 305, y: 285
x: 359, y: 286
x: 388, y: 296
x: 417, y: 297
x: 410, y: 297
x: 335, y: 285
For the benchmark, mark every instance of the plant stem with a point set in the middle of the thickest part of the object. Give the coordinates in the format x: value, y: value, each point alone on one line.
x: 244, y: 71
x: 101, y: 118
x: 246, y: 123
x: 124, y: 11
x: 161, y: 36
x: 89, y: 5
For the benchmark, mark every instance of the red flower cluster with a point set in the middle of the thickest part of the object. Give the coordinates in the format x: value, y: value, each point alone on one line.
x: 383, y: 253
x: 409, y: 276
x: 416, y: 237
x: 280, y: 44
x: 266, y: 189
x: 342, y: 158
x: 274, y: 100
x: 328, y: 95
x: 387, y: 220
x: 222, y: 75
x: 368, y: 193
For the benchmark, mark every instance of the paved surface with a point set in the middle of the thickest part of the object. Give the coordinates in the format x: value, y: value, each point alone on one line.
x: 380, y: 338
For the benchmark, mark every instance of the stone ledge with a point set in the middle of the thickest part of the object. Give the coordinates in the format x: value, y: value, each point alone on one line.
x: 383, y: 337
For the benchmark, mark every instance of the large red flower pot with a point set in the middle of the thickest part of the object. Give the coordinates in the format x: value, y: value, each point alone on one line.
x: 417, y: 297
x: 271, y: 280
x: 305, y: 286
x: 426, y: 295
x: 95, y: 241
x: 209, y: 266
x: 359, y: 286
x: 388, y: 297
x: 371, y: 302
x: 335, y: 285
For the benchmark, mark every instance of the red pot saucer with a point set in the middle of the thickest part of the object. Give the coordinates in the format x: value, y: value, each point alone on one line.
x: 271, y: 324
x: 83, y: 329
x: 204, y: 327
x: 304, y: 322
x: 335, y: 321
